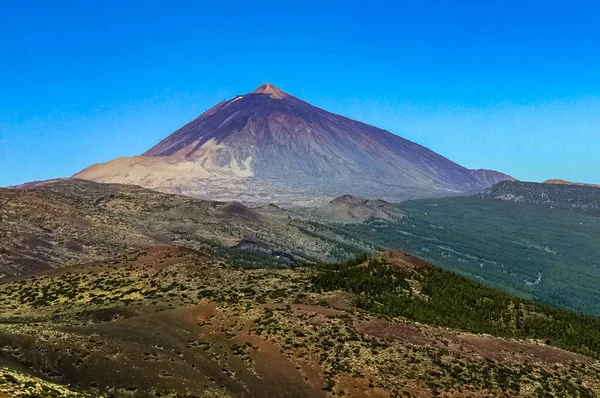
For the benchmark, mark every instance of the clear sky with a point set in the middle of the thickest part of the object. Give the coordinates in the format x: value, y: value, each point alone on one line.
x: 507, y: 85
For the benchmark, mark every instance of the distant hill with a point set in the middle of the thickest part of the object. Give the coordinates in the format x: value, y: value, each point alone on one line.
x: 350, y: 209
x: 267, y: 145
x: 37, y: 184
x: 72, y: 221
x: 543, y: 253
x: 565, y: 182
x: 553, y: 195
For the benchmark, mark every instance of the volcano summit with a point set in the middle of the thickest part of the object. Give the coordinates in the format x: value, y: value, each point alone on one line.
x: 269, y: 146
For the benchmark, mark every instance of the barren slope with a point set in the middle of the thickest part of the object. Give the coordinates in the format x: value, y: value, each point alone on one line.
x: 65, y: 222
x: 270, y: 137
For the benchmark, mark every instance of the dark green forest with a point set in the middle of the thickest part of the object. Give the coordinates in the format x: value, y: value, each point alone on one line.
x: 434, y: 296
x: 535, y: 252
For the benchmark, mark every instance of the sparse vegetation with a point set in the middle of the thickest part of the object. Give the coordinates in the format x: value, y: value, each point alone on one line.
x: 18, y: 385
x: 183, y: 318
x: 243, y: 317
x: 451, y: 300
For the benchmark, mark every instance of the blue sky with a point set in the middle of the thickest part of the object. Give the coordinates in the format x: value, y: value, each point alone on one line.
x: 506, y: 85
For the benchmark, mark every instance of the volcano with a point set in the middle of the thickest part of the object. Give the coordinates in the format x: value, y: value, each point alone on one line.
x: 269, y: 146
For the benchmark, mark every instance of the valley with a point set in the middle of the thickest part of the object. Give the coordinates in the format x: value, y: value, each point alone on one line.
x: 116, y: 290
x: 532, y: 251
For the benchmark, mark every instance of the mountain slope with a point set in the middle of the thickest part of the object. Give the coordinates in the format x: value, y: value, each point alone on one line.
x: 549, y: 194
x: 352, y: 210
x: 66, y: 222
x: 565, y: 182
x: 270, y: 136
x: 173, y: 322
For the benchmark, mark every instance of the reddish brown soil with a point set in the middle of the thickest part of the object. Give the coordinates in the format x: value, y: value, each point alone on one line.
x: 482, y: 346
x: 191, y: 367
x: 405, y: 260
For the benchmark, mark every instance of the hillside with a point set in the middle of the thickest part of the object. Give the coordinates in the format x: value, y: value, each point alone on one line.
x: 18, y: 384
x: 350, y: 209
x: 269, y: 143
x: 74, y: 221
x: 565, y: 182
x: 398, y: 284
x: 174, y: 322
x: 538, y: 252
x: 116, y: 290
x: 534, y: 251
x: 553, y: 195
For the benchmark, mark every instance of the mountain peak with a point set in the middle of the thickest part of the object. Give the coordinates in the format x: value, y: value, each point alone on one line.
x: 271, y: 90
x: 270, y: 145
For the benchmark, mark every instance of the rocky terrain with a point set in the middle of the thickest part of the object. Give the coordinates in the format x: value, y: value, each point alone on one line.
x: 112, y: 290
x: 543, y: 253
x: 174, y: 322
x: 17, y: 384
x: 556, y: 195
x: 565, y: 182
x: 350, y: 209
x: 268, y: 146
x: 74, y: 221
